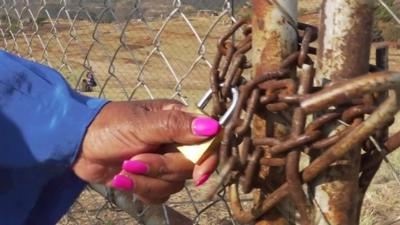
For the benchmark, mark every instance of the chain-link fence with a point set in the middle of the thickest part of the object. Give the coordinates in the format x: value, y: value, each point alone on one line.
x: 126, y: 50
x: 141, y: 49
x: 134, y: 49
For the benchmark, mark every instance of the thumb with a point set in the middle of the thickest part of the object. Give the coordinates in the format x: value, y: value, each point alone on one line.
x: 176, y: 126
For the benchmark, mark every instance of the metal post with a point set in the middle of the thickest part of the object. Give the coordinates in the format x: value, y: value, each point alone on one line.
x: 344, y: 45
x: 274, y: 38
x: 345, y: 38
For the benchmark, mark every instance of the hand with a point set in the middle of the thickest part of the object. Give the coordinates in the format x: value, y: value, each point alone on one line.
x: 131, y: 146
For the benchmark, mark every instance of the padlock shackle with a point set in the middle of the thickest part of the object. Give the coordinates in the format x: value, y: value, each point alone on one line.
x: 232, y: 107
x: 235, y: 98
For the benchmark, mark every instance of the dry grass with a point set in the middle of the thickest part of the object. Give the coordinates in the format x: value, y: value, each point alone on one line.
x: 382, y: 200
x: 124, y: 60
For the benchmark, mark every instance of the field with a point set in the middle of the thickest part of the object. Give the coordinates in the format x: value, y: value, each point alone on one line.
x: 141, y: 66
x: 135, y: 61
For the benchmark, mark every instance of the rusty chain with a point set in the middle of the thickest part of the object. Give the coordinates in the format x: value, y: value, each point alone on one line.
x: 367, y: 104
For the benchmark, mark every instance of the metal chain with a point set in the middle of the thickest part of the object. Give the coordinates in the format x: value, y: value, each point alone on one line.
x: 276, y: 92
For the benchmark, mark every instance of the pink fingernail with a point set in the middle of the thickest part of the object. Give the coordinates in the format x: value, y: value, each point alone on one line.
x: 202, y: 179
x: 136, y: 167
x: 122, y: 182
x: 205, y: 126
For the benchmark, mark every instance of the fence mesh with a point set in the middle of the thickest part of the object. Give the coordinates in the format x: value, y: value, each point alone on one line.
x: 135, y: 49
x: 143, y: 49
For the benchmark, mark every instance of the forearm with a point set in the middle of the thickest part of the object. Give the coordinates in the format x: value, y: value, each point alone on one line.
x: 43, y: 122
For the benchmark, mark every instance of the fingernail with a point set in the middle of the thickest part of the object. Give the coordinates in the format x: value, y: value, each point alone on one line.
x: 122, y: 182
x: 136, y: 167
x: 202, y: 179
x: 205, y: 126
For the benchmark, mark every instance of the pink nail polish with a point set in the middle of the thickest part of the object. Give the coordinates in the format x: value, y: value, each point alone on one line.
x: 202, y: 179
x: 122, y: 182
x: 136, y: 167
x: 205, y: 126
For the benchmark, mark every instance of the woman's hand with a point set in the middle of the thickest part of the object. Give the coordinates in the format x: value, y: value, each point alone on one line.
x: 131, y: 146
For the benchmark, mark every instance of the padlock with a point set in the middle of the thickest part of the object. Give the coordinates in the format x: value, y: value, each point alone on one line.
x: 198, y: 152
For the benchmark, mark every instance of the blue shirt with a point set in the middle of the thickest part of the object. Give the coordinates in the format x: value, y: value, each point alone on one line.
x: 42, y: 124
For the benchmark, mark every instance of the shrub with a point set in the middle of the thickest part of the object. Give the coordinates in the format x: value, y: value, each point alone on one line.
x: 385, y: 27
x: 10, y: 24
x: 41, y: 20
x: 381, y: 14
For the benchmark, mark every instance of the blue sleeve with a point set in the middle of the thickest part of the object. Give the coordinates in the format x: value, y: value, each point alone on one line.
x: 42, y: 124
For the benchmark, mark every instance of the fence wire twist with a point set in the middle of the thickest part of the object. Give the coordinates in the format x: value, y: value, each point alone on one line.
x: 127, y: 50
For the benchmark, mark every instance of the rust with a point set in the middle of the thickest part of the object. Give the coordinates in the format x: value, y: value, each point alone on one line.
x: 383, y: 113
x: 223, y: 40
x: 245, y: 150
x: 329, y: 141
x: 344, y: 91
x: 298, y: 141
x: 253, y: 156
x: 236, y: 64
x: 282, y: 90
x: 293, y: 177
x: 236, y: 206
x: 343, y: 55
x: 393, y: 142
x: 338, y: 60
x: 229, y: 57
x: 292, y: 167
x: 251, y: 106
x: 356, y: 111
x: 273, y: 161
x: 309, y: 34
x: 273, y: 85
x: 266, y: 141
x: 289, y: 99
x: 291, y: 60
x: 237, y: 77
x: 214, y: 84
x: 274, y: 39
x: 322, y: 120
x: 276, y: 107
x: 307, y: 28
x: 251, y: 170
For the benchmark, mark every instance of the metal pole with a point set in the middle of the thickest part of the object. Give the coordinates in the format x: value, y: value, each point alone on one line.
x: 345, y: 38
x: 274, y: 38
x: 344, y: 45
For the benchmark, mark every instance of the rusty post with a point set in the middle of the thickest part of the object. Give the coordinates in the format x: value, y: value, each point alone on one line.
x: 345, y: 38
x: 274, y: 39
x: 344, y: 45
